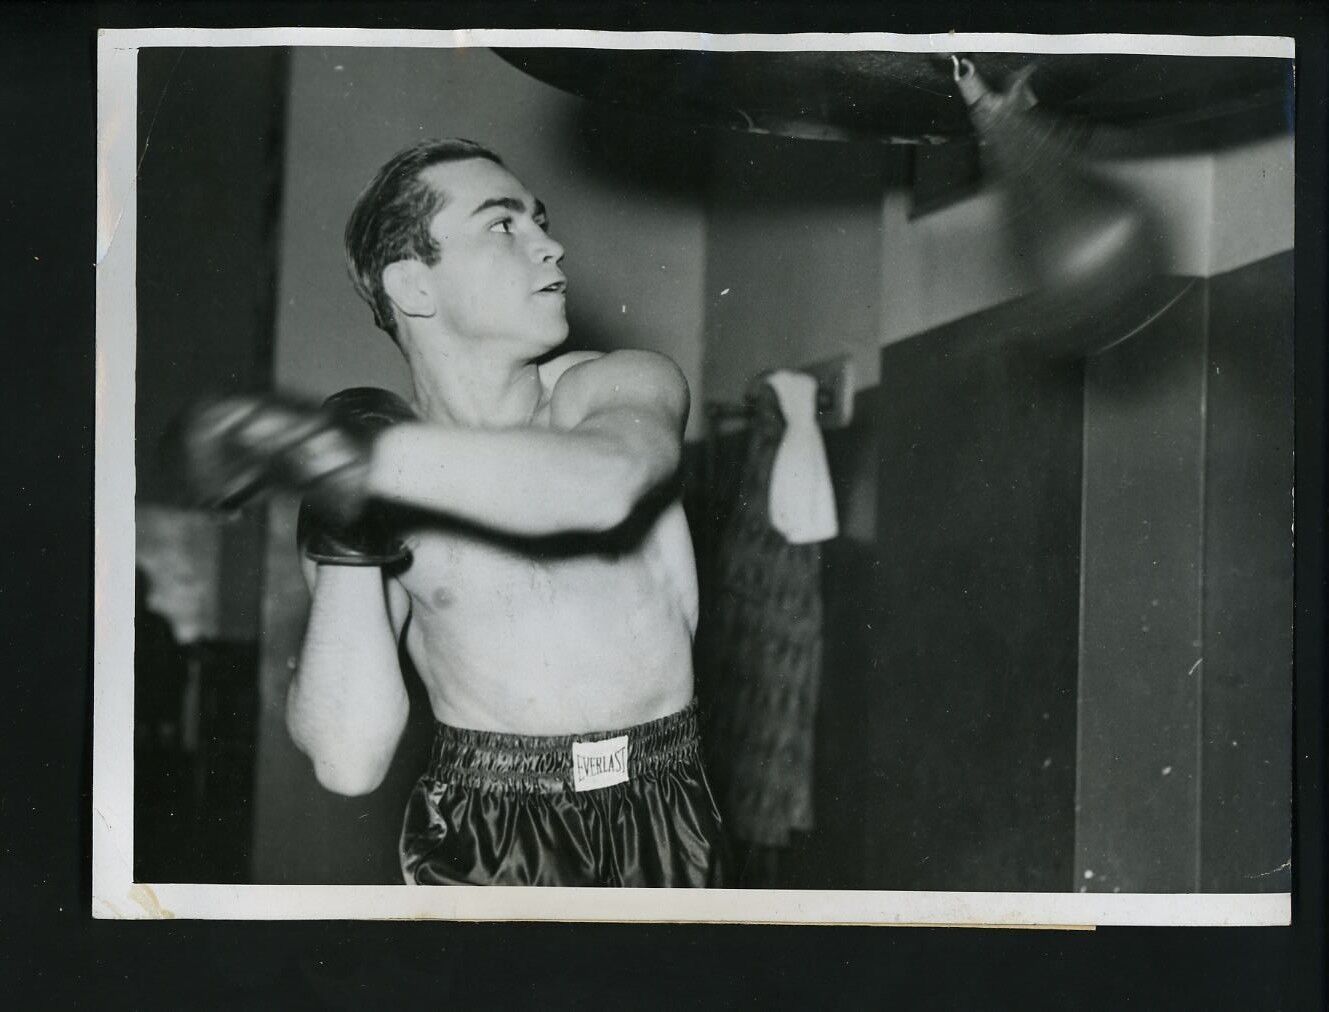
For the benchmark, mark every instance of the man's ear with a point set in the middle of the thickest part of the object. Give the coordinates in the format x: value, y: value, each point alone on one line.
x: 407, y: 286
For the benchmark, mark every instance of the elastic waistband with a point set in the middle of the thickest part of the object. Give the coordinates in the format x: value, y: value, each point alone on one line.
x: 544, y: 763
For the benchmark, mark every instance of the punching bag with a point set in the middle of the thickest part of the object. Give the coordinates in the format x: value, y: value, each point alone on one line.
x: 1092, y: 251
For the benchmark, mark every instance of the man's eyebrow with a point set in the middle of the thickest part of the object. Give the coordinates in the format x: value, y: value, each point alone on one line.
x: 510, y: 204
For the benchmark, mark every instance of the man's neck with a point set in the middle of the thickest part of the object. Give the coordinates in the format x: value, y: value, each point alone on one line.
x: 474, y: 392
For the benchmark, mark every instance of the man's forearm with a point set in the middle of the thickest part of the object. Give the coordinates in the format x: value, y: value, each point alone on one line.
x: 521, y: 481
x: 347, y: 705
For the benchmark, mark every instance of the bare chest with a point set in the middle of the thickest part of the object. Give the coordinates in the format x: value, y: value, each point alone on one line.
x: 466, y: 586
x: 534, y: 637
x: 458, y: 572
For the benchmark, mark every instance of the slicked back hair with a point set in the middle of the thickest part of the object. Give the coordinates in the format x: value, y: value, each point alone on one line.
x: 391, y: 217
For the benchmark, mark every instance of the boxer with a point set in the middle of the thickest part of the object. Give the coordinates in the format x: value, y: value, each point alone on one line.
x: 515, y: 528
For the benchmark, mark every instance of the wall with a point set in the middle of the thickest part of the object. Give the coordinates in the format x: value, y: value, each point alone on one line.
x: 1253, y: 205
x: 946, y: 730
x: 1185, y: 678
x: 204, y: 273
x: 205, y: 276
x: 948, y: 735
x: 1222, y: 209
x: 794, y: 253
x: 1246, y: 703
x: 205, y: 288
x: 624, y: 199
x: 1141, y: 644
x: 1062, y: 656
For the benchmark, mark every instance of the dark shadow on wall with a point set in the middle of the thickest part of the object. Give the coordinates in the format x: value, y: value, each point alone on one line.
x: 195, y: 705
x: 209, y: 186
x: 208, y: 191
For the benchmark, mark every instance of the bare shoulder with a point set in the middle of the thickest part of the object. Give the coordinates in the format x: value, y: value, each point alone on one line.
x: 640, y: 380
x: 552, y: 371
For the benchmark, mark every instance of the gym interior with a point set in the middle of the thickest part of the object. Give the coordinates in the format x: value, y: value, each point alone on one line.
x: 1056, y: 621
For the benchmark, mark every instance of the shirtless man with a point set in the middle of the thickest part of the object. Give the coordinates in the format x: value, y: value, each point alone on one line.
x: 517, y: 528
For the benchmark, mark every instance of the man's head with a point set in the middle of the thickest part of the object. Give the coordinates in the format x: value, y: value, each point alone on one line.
x: 420, y: 243
x: 390, y: 220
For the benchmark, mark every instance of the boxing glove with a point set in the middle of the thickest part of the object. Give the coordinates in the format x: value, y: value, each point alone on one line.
x: 241, y: 447
x: 327, y: 532
x: 235, y: 449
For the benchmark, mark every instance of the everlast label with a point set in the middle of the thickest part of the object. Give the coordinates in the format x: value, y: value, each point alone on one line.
x: 599, y: 763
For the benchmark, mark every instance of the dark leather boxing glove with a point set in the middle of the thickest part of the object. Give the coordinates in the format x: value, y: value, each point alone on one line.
x: 238, y: 448
x: 327, y: 532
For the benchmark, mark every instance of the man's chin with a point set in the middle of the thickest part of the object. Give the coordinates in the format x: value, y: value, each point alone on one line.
x: 553, y: 336
x: 535, y: 337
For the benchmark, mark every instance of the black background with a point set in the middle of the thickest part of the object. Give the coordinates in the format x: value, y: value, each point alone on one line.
x: 53, y: 954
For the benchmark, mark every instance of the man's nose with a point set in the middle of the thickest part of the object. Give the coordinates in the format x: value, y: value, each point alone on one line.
x: 548, y: 249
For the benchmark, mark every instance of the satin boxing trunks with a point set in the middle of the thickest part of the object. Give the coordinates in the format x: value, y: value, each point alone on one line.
x: 615, y: 808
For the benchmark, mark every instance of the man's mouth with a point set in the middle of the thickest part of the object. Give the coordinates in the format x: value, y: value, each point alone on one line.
x: 555, y: 287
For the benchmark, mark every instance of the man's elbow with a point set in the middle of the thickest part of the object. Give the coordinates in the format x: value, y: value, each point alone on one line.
x: 347, y: 761
x: 345, y: 774
x: 630, y: 478
x: 341, y: 778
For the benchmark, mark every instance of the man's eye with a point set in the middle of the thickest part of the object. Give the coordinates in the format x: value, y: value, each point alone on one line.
x: 503, y: 225
x: 543, y: 224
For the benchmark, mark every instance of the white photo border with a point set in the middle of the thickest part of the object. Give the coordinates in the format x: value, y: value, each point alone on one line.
x: 114, y: 892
